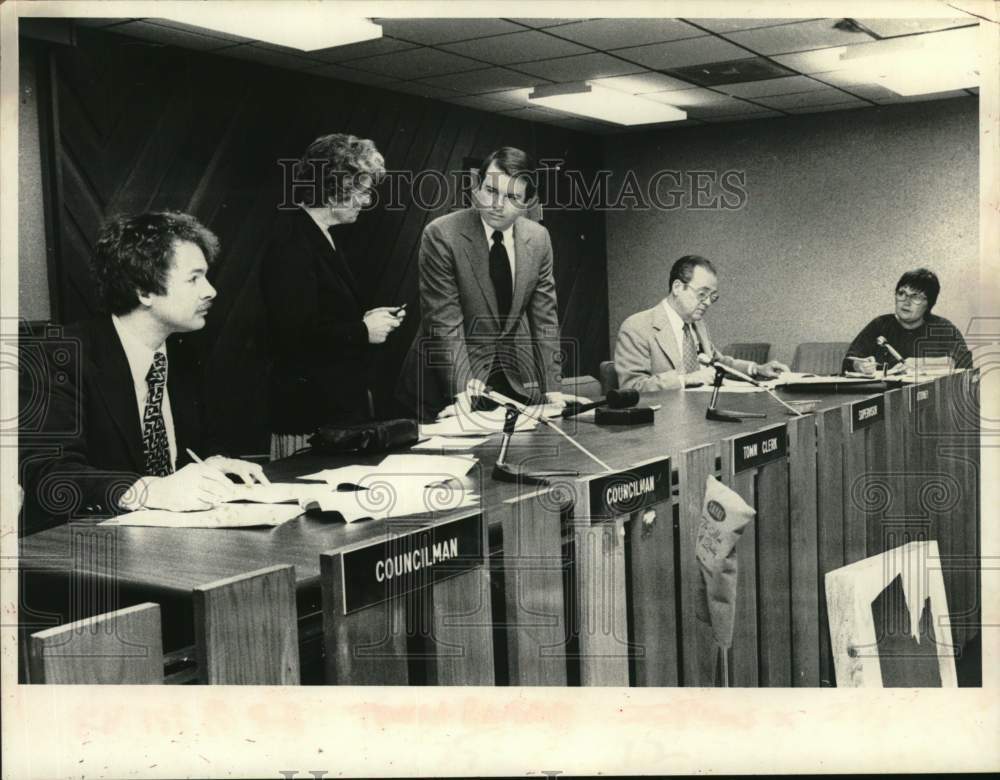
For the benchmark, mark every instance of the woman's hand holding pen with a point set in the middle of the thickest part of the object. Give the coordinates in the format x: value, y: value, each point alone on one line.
x: 383, y: 321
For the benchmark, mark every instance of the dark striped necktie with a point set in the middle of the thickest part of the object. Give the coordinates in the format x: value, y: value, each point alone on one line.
x: 155, y: 445
x: 500, y: 274
x: 690, y: 350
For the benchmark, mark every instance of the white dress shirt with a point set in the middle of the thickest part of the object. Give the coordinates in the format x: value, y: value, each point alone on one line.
x: 508, y: 242
x: 677, y: 325
x: 140, y: 358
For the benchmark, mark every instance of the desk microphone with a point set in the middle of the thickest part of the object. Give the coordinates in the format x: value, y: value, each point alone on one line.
x: 705, y: 360
x: 890, y: 349
x: 616, y: 399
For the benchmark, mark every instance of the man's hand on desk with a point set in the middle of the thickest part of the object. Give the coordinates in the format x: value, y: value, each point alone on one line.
x: 248, y: 472
x: 194, y: 487
x: 770, y: 370
x: 703, y: 376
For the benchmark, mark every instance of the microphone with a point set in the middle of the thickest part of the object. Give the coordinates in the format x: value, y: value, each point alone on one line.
x: 890, y: 349
x: 714, y: 363
x: 705, y: 360
x: 616, y: 399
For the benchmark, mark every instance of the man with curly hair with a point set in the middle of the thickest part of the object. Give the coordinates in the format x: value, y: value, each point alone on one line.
x: 123, y: 410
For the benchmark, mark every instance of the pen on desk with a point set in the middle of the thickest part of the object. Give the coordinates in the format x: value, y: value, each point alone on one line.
x: 396, y: 312
x: 193, y: 457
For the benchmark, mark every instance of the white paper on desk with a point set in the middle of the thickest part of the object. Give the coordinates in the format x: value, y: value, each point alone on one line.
x: 478, y: 423
x: 345, y: 474
x: 450, y: 443
x: 446, y: 466
x: 378, y: 504
x: 728, y: 386
x: 811, y: 379
x: 277, y: 492
x: 223, y: 516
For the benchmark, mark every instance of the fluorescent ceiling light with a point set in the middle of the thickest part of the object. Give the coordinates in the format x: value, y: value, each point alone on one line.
x: 306, y: 26
x: 596, y: 102
x: 916, y: 65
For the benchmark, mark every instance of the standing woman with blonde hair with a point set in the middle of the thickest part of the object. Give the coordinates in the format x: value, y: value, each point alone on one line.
x: 320, y: 335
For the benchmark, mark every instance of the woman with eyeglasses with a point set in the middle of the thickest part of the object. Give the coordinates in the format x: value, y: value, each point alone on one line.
x: 911, y: 330
x: 321, y: 336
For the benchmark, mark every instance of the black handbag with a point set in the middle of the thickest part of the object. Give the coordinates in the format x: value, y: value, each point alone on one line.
x: 365, y: 437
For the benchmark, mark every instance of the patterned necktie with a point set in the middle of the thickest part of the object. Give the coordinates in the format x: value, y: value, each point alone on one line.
x: 155, y: 446
x: 500, y: 274
x: 691, y: 363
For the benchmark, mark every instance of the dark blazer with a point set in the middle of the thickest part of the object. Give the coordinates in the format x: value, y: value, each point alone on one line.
x: 461, y: 331
x: 318, y: 339
x: 80, y: 432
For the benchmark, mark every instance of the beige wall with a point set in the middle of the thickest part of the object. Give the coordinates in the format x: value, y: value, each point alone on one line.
x: 33, y: 284
x: 838, y: 205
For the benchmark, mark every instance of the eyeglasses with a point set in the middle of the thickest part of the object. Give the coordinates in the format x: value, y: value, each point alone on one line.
x: 914, y: 297
x: 704, y: 296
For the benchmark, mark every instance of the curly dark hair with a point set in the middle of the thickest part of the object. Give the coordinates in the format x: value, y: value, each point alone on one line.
x: 921, y: 280
x: 343, y: 164
x: 134, y: 254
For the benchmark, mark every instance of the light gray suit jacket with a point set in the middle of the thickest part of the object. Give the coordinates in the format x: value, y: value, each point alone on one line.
x: 648, y: 357
x: 461, y: 329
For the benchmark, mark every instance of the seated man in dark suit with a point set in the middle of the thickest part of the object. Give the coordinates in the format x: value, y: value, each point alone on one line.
x: 122, y: 415
x: 658, y: 348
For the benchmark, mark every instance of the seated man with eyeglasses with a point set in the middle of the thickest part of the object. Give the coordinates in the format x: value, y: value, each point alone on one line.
x: 658, y: 349
x: 911, y: 329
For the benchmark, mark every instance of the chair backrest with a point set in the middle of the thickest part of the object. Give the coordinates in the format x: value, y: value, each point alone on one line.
x: 585, y: 386
x: 124, y: 647
x: 246, y: 629
x: 757, y: 351
x: 820, y: 357
x: 609, y: 376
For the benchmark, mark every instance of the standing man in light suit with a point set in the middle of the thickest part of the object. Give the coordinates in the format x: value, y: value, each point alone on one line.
x: 487, y: 297
x: 658, y: 349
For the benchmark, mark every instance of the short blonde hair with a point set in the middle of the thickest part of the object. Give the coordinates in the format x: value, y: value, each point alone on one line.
x: 347, y: 164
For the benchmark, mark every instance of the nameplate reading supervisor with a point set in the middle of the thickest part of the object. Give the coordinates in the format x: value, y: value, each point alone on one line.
x: 756, y: 449
x: 404, y: 563
x: 868, y: 412
x: 629, y: 491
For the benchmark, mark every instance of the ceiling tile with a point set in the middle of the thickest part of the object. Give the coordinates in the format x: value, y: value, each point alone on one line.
x: 516, y: 47
x: 783, y: 86
x: 732, y: 107
x: 744, y: 117
x: 818, y: 61
x: 486, y: 80
x: 534, y: 113
x: 546, y: 22
x: 95, y: 22
x: 168, y: 36
x: 828, y: 107
x: 641, y: 83
x: 353, y: 51
x: 586, y: 66
x: 676, y: 54
x: 619, y: 33
x: 416, y: 63
x: 684, y: 98
x: 257, y: 53
x: 733, y: 25
x: 333, y: 71
x: 481, y: 102
x: 802, y: 36
x: 742, y: 71
x: 888, y: 28
x: 423, y: 90
x: 816, y: 97
x: 515, y: 97
x: 868, y: 91
x: 200, y: 30
x: 894, y: 98
x: 434, y: 31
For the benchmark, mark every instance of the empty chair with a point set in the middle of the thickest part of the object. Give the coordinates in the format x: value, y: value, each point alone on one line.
x: 246, y: 629
x: 820, y: 357
x: 124, y: 647
x: 609, y: 376
x: 757, y: 351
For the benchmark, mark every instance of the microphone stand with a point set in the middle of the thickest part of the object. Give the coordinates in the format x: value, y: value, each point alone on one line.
x: 724, y: 415
x: 509, y: 472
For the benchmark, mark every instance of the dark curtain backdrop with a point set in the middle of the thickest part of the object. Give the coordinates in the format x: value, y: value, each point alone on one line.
x: 135, y: 126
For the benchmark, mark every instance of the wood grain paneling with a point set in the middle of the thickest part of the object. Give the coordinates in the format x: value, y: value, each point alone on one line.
x: 139, y: 126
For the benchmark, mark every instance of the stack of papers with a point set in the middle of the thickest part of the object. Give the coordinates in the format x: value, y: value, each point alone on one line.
x: 378, y: 503
x: 450, y: 443
x: 223, y: 516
